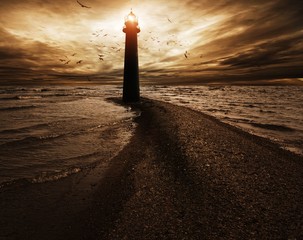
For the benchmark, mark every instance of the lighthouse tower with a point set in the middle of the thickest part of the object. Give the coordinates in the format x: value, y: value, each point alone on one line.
x: 131, y: 92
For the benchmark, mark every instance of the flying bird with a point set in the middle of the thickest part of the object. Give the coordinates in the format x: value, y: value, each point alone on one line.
x: 67, y: 62
x: 62, y: 60
x: 74, y: 54
x: 101, y: 57
x: 169, y: 20
x: 186, y: 54
x: 82, y: 5
x: 80, y: 61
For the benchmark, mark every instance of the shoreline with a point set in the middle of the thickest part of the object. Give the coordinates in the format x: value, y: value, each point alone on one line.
x: 183, y: 175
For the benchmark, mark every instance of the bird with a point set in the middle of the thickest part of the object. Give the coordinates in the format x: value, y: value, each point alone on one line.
x: 62, y: 60
x: 186, y: 54
x: 169, y: 20
x: 82, y: 5
x: 101, y: 57
x: 74, y: 54
x: 80, y: 61
x: 67, y: 62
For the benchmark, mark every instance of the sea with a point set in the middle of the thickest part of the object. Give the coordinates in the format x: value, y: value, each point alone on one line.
x: 48, y: 133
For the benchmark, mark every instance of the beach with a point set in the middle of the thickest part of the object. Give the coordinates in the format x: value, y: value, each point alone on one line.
x: 183, y: 175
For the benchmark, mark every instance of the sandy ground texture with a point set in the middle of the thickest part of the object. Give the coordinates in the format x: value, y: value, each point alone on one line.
x: 183, y: 175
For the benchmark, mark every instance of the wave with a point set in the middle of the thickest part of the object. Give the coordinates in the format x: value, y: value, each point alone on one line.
x: 27, y: 97
x: 24, y: 129
x: 267, y: 111
x: 17, y: 108
x: 237, y: 120
x: 273, y: 127
x: 41, y: 178
x: 50, y: 177
x: 30, y: 140
x: 55, y: 175
x: 20, y: 97
x: 216, y: 110
x: 8, y: 98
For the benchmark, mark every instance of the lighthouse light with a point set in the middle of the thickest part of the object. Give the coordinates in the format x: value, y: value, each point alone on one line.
x: 131, y: 18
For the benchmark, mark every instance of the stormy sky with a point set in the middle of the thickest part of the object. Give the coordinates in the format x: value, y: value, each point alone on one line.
x: 190, y: 41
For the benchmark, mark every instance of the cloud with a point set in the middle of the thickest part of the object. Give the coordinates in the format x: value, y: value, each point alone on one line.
x: 274, y: 52
x: 224, y: 39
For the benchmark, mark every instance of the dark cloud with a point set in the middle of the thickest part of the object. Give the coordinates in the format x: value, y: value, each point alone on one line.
x: 286, y: 51
x: 259, y: 41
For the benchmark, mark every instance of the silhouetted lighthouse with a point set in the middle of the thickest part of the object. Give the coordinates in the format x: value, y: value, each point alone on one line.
x: 131, y: 92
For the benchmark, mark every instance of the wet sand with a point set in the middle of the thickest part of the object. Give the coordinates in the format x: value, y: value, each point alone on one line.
x: 184, y: 175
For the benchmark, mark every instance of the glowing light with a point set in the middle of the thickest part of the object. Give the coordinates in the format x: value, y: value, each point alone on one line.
x: 131, y: 17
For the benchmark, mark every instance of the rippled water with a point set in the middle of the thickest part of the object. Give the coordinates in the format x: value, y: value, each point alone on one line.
x: 50, y: 133
x: 274, y: 112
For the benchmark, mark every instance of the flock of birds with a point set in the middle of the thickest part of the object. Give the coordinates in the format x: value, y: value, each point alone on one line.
x: 99, y: 33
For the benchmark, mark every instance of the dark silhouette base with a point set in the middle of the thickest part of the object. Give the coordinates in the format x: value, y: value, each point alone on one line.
x: 131, y: 91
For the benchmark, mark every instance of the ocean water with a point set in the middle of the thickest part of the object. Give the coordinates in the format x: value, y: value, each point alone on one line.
x: 51, y: 132
x: 273, y: 112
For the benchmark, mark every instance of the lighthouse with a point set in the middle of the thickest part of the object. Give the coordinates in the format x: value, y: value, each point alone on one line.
x: 131, y: 91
